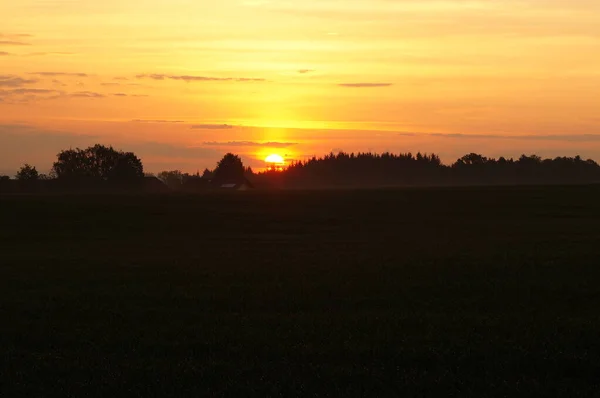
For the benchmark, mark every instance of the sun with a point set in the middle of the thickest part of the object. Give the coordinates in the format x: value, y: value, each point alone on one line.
x: 274, y: 159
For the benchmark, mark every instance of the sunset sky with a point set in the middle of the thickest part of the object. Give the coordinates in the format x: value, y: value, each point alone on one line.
x: 181, y: 82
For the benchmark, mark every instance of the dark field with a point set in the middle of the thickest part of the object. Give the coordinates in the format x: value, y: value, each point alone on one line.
x: 441, y: 292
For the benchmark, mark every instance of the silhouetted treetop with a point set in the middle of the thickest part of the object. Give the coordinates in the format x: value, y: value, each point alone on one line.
x: 27, y: 173
x: 98, y: 163
x: 229, y: 169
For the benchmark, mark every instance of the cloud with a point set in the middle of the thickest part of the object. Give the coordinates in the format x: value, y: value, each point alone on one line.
x: 156, y: 121
x: 120, y: 95
x: 252, y: 144
x: 21, y: 91
x: 14, y: 35
x: 14, y: 81
x: 211, y: 126
x: 55, y: 81
x: 27, y: 95
x: 56, y: 74
x: 114, y: 84
x: 38, y: 54
x: 528, y: 137
x: 188, y: 79
x: 120, y: 78
x: 365, y: 85
x: 304, y: 71
x: 4, y: 54
x: 13, y: 43
x: 86, y: 94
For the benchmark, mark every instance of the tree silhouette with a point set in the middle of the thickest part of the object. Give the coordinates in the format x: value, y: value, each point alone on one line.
x: 230, y: 169
x: 207, y: 174
x: 471, y: 159
x: 173, y: 179
x: 98, y: 163
x: 27, y: 173
x: 388, y: 169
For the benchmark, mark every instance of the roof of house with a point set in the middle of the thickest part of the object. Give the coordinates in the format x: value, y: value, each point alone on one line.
x: 155, y: 184
x: 236, y: 185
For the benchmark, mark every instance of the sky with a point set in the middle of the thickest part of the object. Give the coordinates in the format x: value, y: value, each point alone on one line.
x: 181, y: 82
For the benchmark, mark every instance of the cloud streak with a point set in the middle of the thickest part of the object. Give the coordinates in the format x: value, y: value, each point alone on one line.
x: 251, y: 144
x: 21, y: 91
x: 25, y: 95
x: 39, y: 54
x: 114, y: 84
x: 190, y: 79
x: 528, y: 137
x: 14, y: 81
x: 211, y: 127
x: 365, y: 85
x: 86, y: 94
x: 56, y: 74
x: 13, y: 43
x: 156, y: 121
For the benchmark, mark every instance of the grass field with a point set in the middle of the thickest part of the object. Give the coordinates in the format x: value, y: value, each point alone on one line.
x: 478, y: 292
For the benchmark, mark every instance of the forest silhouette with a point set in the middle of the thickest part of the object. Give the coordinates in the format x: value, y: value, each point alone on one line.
x: 100, y: 168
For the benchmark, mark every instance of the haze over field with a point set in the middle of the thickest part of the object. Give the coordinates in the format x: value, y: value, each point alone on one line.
x: 181, y: 82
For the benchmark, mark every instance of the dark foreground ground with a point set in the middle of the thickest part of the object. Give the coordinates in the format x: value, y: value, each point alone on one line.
x: 450, y: 292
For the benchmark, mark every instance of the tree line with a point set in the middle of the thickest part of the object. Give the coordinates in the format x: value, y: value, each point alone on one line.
x: 102, y: 167
x: 406, y: 169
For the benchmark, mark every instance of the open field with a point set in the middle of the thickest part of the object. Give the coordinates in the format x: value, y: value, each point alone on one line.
x: 466, y: 292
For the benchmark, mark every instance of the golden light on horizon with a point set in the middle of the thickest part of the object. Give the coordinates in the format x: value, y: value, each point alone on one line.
x: 275, y: 159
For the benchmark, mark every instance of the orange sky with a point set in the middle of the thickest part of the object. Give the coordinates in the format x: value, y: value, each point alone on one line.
x: 180, y: 82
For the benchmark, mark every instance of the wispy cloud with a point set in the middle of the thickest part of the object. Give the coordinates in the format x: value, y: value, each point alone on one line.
x: 251, y: 144
x: 14, y: 81
x: 14, y: 35
x: 156, y: 121
x: 120, y: 95
x: 26, y: 95
x: 188, y: 78
x: 20, y: 91
x: 211, y: 126
x: 114, y: 84
x: 55, y: 81
x: 56, y: 74
x: 365, y: 85
x: 527, y: 137
x: 304, y: 71
x: 4, y: 54
x: 86, y: 94
x: 40, y: 54
x: 13, y: 43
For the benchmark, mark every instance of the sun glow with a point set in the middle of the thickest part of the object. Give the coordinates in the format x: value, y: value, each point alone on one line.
x: 275, y: 162
x: 275, y: 159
